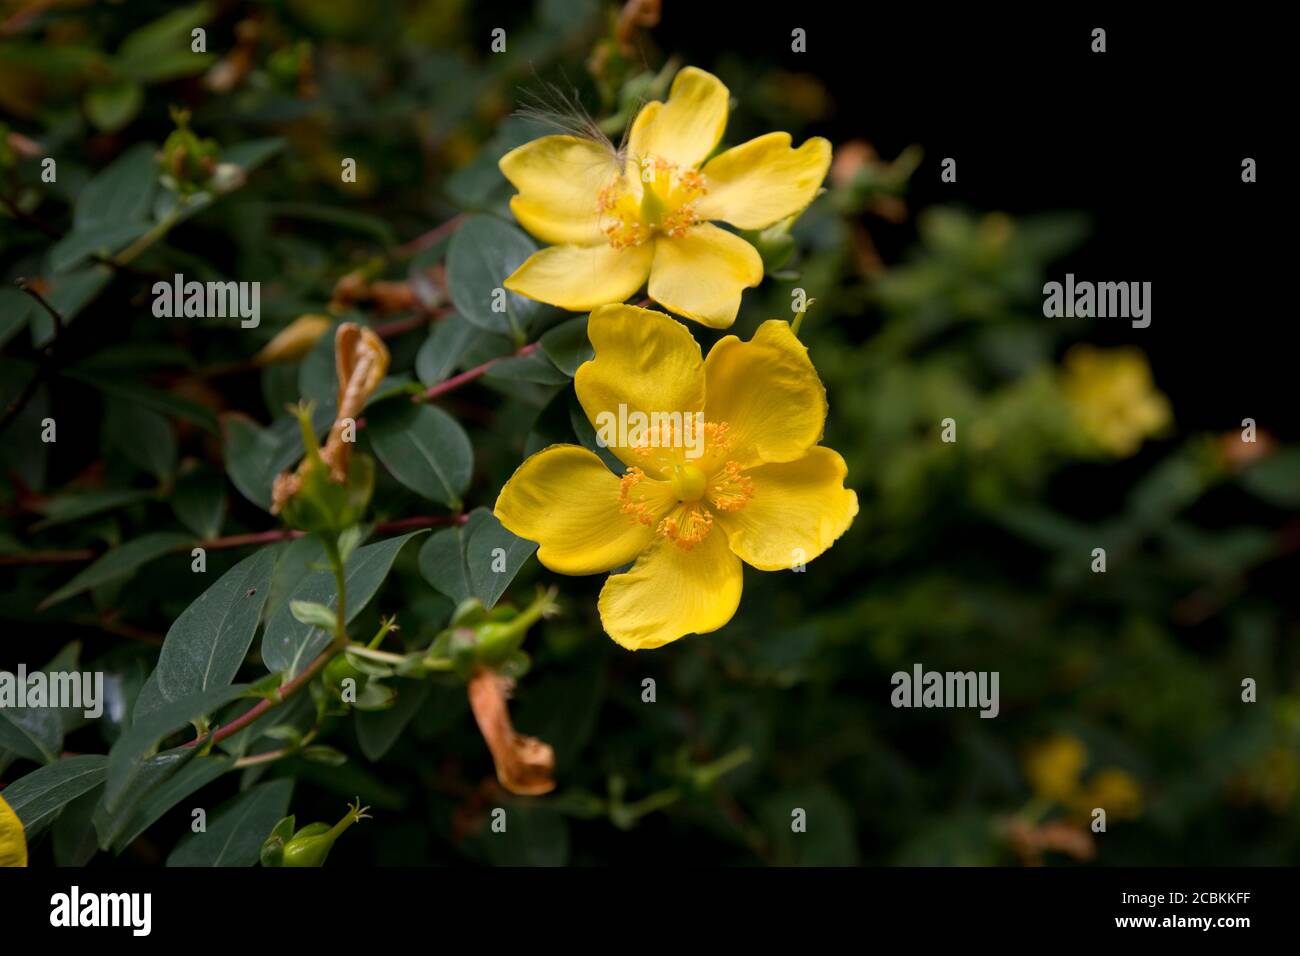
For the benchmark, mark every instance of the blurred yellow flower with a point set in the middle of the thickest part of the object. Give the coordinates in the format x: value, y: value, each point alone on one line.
x: 727, y: 469
x: 1053, y: 767
x: 1114, y: 791
x: 1113, y: 397
x: 13, y: 843
x: 614, y: 221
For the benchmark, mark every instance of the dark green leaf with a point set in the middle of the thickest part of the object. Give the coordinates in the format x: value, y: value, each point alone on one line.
x: 138, y: 817
x: 289, y: 645
x: 483, y: 254
x: 199, y: 501
x: 143, y: 436
x: 119, y: 563
x: 424, y: 448
x: 478, y: 559
x: 378, y: 730
x: 206, y: 645
x: 122, y: 192
x: 438, y: 356
x: 38, y: 797
x: 567, y: 346
x: 237, y: 830
x: 133, y: 747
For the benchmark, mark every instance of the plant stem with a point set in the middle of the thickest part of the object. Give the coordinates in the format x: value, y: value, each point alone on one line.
x: 260, y: 709
x: 456, y: 381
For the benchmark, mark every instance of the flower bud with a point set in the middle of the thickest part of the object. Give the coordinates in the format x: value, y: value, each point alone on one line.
x: 188, y: 161
x: 331, y: 488
x: 312, y: 844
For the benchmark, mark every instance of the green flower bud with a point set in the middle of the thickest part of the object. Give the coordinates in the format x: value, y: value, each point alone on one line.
x: 340, y: 669
x: 775, y: 245
x: 188, y: 161
x: 498, y: 639
x: 312, y: 844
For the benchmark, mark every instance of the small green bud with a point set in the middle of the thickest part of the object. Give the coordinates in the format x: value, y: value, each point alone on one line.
x: 340, y: 669
x: 188, y: 161
x: 498, y: 640
x: 312, y: 844
x: 775, y: 245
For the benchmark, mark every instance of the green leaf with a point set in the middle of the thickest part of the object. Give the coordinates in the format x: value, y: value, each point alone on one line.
x: 253, y: 153
x: 289, y: 645
x: 165, y: 403
x: 378, y: 730
x: 161, y: 50
x: 424, y: 448
x: 119, y: 563
x: 237, y: 830
x: 39, y: 797
x: 1276, y: 478
x: 444, y: 347
x: 255, y: 455
x: 199, y: 501
x: 122, y: 830
x: 122, y: 192
x: 483, y: 253
x: 35, y: 733
x: 143, y: 436
x: 567, y: 345
x: 133, y: 748
x: 309, y: 612
x: 206, y: 645
x: 73, y: 835
x: 110, y: 106
x: 76, y: 246
x: 478, y: 559
x: 73, y: 507
x: 536, y: 369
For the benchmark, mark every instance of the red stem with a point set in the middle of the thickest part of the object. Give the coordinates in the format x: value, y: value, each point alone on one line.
x: 456, y: 381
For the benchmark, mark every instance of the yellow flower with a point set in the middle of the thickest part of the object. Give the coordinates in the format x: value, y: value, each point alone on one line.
x: 1114, y: 791
x: 13, y: 844
x: 1112, y: 396
x: 614, y: 221
x: 1054, y: 766
x: 722, y: 463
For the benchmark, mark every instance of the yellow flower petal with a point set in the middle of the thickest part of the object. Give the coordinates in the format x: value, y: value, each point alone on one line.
x: 767, y: 390
x: 579, y: 278
x: 13, y: 842
x: 559, y: 179
x: 566, y: 500
x: 670, y: 593
x: 701, y: 274
x: 646, y: 362
x: 763, y: 181
x: 686, y: 128
x: 798, y: 510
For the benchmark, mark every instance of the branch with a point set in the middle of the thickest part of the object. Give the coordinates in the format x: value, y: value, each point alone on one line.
x: 230, y: 541
x: 46, y: 359
x: 266, y: 704
x: 456, y: 381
